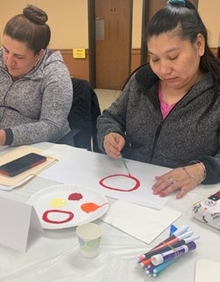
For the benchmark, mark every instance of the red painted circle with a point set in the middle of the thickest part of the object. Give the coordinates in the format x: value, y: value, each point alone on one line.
x: 46, y: 213
x: 136, y: 186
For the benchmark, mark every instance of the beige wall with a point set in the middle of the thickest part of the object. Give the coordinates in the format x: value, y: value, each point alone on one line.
x: 210, y: 13
x: 137, y: 23
x: 68, y: 20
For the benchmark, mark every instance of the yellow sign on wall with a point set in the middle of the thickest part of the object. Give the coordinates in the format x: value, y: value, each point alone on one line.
x: 79, y: 53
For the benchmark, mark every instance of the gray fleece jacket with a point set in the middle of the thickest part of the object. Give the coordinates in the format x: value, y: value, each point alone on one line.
x: 35, y: 107
x: 175, y: 141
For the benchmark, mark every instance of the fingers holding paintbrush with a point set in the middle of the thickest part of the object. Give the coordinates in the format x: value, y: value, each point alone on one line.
x: 113, y: 144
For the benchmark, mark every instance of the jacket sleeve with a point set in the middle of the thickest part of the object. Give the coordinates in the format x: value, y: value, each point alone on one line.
x: 113, y: 119
x: 212, y: 165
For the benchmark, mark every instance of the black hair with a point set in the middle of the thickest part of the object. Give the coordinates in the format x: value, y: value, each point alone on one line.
x: 188, y: 23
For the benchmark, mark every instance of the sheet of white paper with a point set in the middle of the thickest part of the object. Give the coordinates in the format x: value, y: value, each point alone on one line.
x: 77, y: 166
x: 16, y: 220
x: 207, y: 270
x: 140, y: 222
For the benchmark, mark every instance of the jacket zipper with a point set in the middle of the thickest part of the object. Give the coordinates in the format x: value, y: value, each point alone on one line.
x: 155, y: 139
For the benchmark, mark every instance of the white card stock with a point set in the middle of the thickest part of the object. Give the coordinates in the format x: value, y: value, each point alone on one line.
x: 140, y: 222
x: 17, y: 220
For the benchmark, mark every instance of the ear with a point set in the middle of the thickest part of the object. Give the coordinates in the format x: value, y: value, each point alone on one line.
x: 200, y: 44
x: 39, y: 55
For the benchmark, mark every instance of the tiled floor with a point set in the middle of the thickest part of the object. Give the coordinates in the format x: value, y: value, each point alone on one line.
x: 106, y: 97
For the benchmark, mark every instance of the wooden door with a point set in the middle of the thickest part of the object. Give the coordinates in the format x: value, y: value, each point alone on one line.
x: 113, y: 24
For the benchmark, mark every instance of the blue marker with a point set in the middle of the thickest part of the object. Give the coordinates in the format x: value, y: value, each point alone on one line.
x: 161, y: 267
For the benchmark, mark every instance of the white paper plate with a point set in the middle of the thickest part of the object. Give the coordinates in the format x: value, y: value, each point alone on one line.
x: 47, y: 203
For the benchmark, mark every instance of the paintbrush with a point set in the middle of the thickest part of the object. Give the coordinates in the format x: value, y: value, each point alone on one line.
x: 125, y: 165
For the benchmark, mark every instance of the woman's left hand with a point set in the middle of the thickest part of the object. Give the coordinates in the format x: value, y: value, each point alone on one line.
x: 183, y: 179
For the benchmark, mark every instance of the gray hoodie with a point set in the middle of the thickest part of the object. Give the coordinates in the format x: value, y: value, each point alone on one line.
x: 35, y: 107
x: 174, y: 141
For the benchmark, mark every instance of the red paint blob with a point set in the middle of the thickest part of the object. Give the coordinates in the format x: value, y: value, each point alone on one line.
x: 91, y: 207
x: 46, y: 213
x: 75, y: 197
x: 136, y: 186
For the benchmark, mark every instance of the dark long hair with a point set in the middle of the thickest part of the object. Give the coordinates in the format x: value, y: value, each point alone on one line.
x: 30, y: 28
x: 188, y: 24
x: 187, y: 21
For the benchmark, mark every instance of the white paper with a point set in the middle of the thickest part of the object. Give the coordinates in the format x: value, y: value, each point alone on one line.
x: 16, y: 220
x: 140, y: 222
x: 86, y: 168
x: 207, y: 270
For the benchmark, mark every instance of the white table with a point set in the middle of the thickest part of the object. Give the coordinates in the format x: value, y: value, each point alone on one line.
x: 55, y: 256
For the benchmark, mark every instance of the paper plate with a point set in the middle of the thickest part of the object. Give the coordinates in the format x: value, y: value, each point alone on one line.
x: 63, y: 206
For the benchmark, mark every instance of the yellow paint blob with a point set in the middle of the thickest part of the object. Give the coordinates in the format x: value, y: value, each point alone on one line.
x: 57, y: 202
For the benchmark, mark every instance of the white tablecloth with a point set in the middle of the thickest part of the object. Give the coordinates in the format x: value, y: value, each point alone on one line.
x: 55, y: 256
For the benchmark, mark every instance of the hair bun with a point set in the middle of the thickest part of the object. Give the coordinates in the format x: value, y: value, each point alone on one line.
x: 35, y: 14
x: 177, y: 2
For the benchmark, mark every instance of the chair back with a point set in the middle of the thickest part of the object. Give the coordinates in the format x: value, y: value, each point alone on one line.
x: 83, y: 115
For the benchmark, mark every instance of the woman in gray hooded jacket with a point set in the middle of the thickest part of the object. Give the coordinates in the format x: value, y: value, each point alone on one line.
x: 35, y: 84
x: 168, y: 113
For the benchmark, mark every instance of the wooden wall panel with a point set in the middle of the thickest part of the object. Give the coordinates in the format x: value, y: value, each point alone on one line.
x: 77, y: 67
x: 135, y: 59
x: 80, y: 67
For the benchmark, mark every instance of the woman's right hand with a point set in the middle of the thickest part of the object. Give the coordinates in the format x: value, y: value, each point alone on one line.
x: 113, y: 144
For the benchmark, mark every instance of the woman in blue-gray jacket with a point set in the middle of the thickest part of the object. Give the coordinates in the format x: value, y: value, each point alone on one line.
x: 35, y: 84
x: 168, y: 113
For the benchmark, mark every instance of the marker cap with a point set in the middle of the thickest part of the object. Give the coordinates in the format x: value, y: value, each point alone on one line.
x: 157, y: 259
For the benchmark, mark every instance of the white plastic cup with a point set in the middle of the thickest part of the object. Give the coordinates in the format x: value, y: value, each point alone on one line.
x: 89, y: 237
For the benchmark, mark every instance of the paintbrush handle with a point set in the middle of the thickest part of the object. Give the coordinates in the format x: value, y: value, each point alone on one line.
x: 125, y: 165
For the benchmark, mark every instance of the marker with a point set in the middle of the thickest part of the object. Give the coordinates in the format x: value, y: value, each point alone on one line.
x: 161, y: 267
x: 178, y: 232
x: 177, y: 235
x: 145, y: 263
x: 178, y: 238
x: 166, y: 243
x: 167, y: 248
x: 149, y: 269
x: 175, y: 253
